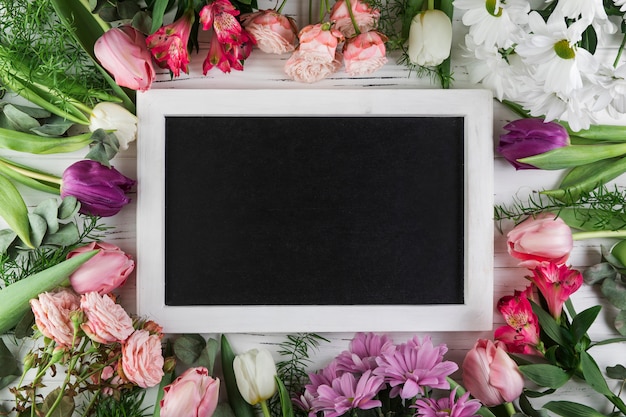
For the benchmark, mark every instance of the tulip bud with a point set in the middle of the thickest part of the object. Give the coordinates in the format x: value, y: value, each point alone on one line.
x: 255, y: 373
x: 111, y: 116
x: 99, y: 189
x: 193, y: 394
x: 430, y: 38
x: 529, y: 137
x: 490, y: 375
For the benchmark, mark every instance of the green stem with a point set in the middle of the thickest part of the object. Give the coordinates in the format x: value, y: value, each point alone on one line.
x: 280, y: 9
x: 265, y: 409
x: 619, y: 51
x: 352, y: 18
x: 68, y: 375
x: 431, y: 5
x: 599, y: 234
x: 510, y: 409
x: 91, y: 403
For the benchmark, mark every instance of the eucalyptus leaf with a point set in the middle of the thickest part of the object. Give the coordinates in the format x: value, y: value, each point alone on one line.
x: 19, y: 120
x: 614, y: 292
x: 620, y: 322
x: 7, y: 236
x: 616, y: 372
x: 597, y: 273
x: 569, y: 409
x: 68, y: 208
x: 38, y: 228
x: 54, y: 127
x: 13, y: 210
x: 545, y: 375
x: 49, y: 210
x: 35, y: 112
x: 67, y: 235
x: 127, y: 9
x: 8, y: 364
x: 189, y: 347
x: 209, y: 354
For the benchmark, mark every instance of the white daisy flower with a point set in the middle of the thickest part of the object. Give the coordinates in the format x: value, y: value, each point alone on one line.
x: 622, y: 4
x: 611, y: 90
x: 590, y: 11
x: 551, y: 47
x: 494, y: 22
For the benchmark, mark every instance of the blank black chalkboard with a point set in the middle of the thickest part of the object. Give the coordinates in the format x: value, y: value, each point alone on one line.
x: 314, y: 210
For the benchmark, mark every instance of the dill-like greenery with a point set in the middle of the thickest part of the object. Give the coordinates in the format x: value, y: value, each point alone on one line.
x: 129, y: 404
x: 34, y: 37
x: 292, y: 370
x: 600, y: 209
x: 16, y: 265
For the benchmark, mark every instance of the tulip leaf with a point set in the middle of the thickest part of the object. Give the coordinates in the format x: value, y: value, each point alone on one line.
x: 568, y: 409
x: 13, y: 210
x: 528, y: 409
x: 44, y: 181
x: 583, y: 321
x: 37, y: 144
x: 285, y: 398
x: 574, y: 155
x: 240, y: 407
x: 223, y: 410
x: 545, y: 375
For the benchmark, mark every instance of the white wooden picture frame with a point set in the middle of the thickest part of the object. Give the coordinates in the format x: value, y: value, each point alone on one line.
x: 475, y: 106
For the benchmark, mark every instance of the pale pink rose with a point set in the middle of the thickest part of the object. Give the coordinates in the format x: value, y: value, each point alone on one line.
x: 490, y: 375
x: 123, y: 52
x: 365, y: 16
x: 545, y: 238
x: 142, y: 359
x: 53, y: 311
x: 274, y: 33
x: 319, y: 42
x: 104, y: 272
x: 106, y: 321
x: 365, y: 53
x: 192, y: 394
x: 302, y: 68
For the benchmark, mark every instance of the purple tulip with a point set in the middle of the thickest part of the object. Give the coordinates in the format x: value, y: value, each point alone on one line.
x: 99, y: 189
x: 529, y: 137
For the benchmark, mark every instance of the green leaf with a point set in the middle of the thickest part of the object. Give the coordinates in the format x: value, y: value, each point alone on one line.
x: 13, y: 210
x: 157, y: 14
x: 614, y: 292
x: 616, y: 372
x: 583, y: 321
x: 7, y: 236
x: 19, y: 120
x: 599, y: 272
x: 574, y: 155
x: 188, y: 348
x: 240, y: 407
x: 49, y: 210
x: 68, y: 208
x: 569, y: 409
x: 165, y: 380
x: 620, y: 322
x: 223, y: 410
x: 38, y: 228
x: 36, y: 144
x: 285, y: 399
x: 528, y: 409
x: 209, y: 354
x: 9, y: 366
x: 548, y: 324
x: 592, y: 374
x: 61, y: 408
x: 67, y: 235
x: 545, y: 375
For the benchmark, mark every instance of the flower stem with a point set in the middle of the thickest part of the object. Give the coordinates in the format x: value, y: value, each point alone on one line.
x: 510, y: 409
x: 352, y: 18
x: 280, y: 8
x: 619, y: 52
x: 265, y: 409
x: 431, y: 4
x: 600, y: 233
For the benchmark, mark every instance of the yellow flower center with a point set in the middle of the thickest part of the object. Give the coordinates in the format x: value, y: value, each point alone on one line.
x: 490, y: 5
x: 563, y: 50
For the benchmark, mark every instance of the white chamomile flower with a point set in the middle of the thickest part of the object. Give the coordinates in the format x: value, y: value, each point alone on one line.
x: 494, y: 22
x: 590, y: 11
x: 622, y: 4
x: 551, y: 48
x: 611, y: 91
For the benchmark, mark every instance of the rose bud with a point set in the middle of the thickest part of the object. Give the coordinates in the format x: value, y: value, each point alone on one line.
x: 490, y: 375
x: 111, y: 116
x: 274, y: 33
x: 104, y: 272
x: 99, y: 189
x: 123, y: 52
x: 254, y: 372
x: 192, y: 394
x: 529, y: 137
x: 364, y: 53
x: 430, y: 38
x: 545, y: 238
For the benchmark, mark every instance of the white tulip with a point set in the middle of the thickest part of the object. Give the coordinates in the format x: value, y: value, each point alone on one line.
x: 112, y: 116
x: 430, y: 38
x: 255, y: 373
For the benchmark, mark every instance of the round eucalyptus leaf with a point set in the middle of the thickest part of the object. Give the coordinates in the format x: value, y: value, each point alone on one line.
x: 7, y: 236
x: 19, y: 120
x: 616, y: 372
x: 189, y: 347
x: 38, y: 228
x: 597, y: 273
x: 615, y: 293
x: 67, y: 235
x: 68, y: 208
x: 48, y: 209
x: 620, y: 322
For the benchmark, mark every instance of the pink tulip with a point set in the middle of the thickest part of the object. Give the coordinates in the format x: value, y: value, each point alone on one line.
x: 273, y: 32
x: 365, y: 16
x: 106, y: 322
x: 556, y: 283
x: 168, y: 44
x: 53, y: 315
x: 104, y: 272
x: 123, y: 52
x: 192, y: 394
x: 142, y: 359
x: 490, y: 375
x: 364, y: 53
x: 545, y: 238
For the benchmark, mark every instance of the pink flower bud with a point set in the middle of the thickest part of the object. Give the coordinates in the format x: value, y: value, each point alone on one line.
x: 193, y: 394
x: 545, y: 238
x: 364, y: 53
x: 274, y: 33
x: 104, y: 272
x: 123, y: 52
x: 490, y: 375
x: 529, y: 137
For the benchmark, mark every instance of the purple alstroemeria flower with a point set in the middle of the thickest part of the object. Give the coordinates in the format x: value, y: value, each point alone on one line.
x: 529, y: 137
x: 100, y: 190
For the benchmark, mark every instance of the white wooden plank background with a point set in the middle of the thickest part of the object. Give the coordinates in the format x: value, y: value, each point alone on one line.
x: 265, y: 71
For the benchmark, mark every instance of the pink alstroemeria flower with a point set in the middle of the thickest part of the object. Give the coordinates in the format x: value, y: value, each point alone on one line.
x: 348, y: 393
x: 521, y: 333
x: 556, y: 283
x: 363, y: 351
x: 168, y: 44
x: 220, y: 16
x: 414, y: 365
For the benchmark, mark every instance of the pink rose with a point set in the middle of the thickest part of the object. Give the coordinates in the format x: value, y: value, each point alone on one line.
x: 319, y: 42
x: 106, y: 321
x: 104, y: 272
x: 274, y: 33
x: 490, y: 375
x: 365, y: 16
x: 192, y: 394
x: 545, y: 238
x: 142, y: 359
x: 123, y: 52
x: 53, y: 311
x: 300, y: 67
x: 364, y: 53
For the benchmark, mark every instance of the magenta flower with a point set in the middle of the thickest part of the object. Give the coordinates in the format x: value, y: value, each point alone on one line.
x: 168, y: 44
x: 521, y: 333
x: 556, y: 283
x: 347, y: 393
x: 220, y: 16
x: 529, y: 137
x: 413, y: 366
x: 100, y: 190
x: 447, y: 407
x: 362, y: 352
